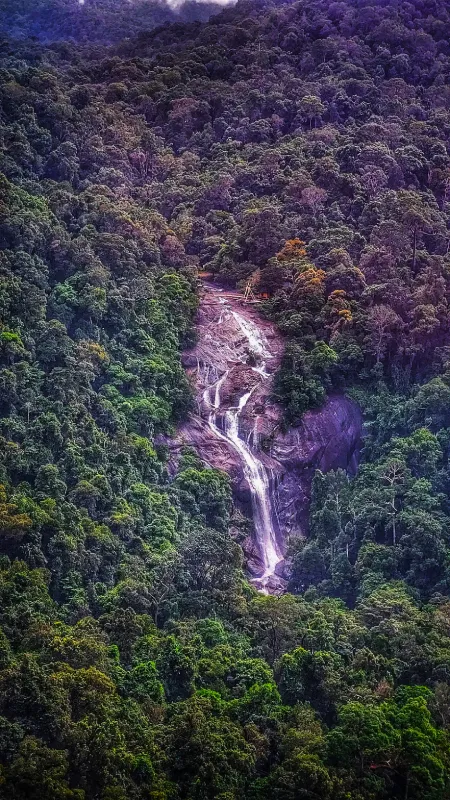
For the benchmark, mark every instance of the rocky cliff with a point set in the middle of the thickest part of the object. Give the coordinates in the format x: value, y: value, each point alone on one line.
x: 237, y: 427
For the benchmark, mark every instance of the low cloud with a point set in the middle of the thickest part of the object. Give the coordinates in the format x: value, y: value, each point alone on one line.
x: 177, y: 4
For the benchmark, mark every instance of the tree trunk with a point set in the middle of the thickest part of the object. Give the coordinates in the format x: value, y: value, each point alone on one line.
x: 405, y: 797
x: 394, y: 522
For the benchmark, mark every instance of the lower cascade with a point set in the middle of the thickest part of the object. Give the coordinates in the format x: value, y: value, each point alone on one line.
x: 254, y: 470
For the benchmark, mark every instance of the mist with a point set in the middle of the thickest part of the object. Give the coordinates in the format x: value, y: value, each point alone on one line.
x: 177, y: 4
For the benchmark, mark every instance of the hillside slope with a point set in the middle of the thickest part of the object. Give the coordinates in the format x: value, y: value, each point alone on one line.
x: 304, y: 148
x: 101, y: 21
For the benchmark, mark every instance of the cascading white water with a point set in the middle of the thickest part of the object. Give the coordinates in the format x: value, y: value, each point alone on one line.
x: 254, y: 469
x: 253, y: 335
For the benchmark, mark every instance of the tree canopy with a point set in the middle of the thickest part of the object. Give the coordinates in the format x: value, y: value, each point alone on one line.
x: 305, y: 146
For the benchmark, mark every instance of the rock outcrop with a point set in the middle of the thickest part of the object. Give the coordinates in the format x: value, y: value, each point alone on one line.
x: 232, y: 368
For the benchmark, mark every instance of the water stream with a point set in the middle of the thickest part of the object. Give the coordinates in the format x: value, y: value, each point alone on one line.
x: 224, y: 422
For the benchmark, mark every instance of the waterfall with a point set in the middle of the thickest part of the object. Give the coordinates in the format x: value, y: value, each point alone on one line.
x: 225, y: 425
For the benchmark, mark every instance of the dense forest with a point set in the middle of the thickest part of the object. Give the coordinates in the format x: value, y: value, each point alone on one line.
x: 303, y: 146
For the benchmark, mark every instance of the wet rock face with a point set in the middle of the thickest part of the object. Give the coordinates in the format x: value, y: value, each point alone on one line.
x: 327, y: 438
x: 232, y: 366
